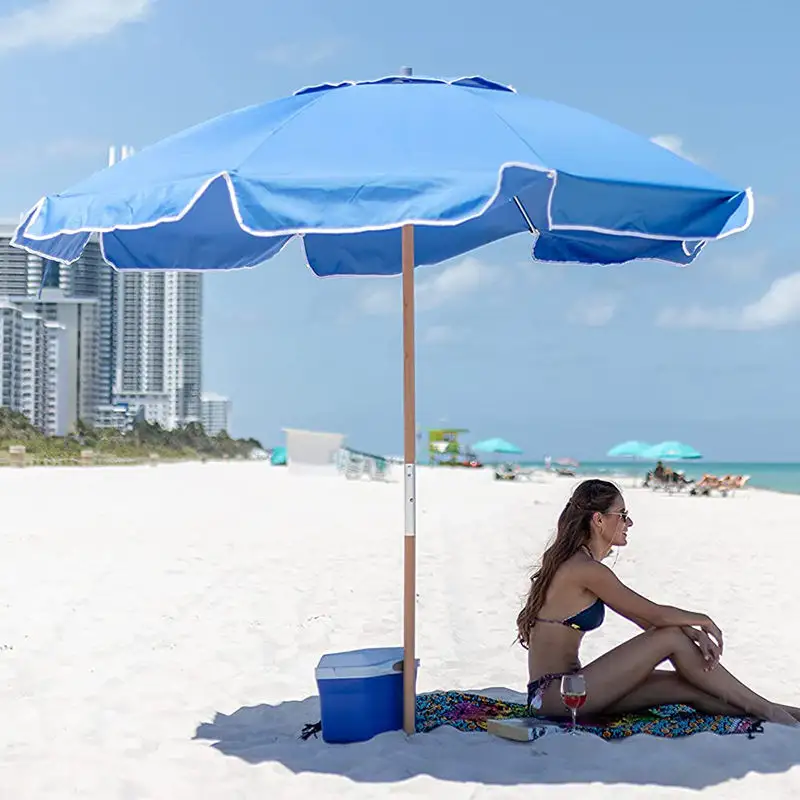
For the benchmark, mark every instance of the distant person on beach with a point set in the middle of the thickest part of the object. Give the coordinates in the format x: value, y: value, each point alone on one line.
x: 568, y: 596
x: 661, y: 472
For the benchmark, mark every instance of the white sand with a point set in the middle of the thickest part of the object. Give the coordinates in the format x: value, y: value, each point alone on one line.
x: 160, y: 627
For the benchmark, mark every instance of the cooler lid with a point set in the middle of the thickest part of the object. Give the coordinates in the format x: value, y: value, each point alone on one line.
x: 366, y: 663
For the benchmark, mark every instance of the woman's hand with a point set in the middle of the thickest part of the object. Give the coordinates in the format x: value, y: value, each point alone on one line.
x: 710, y: 650
x: 710, y: 629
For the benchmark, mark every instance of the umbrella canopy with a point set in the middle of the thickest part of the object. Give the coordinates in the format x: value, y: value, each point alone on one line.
x: 496, y: 446
x: 671, y: 451
x: 630, y: 449
x: 378, y: 177
x: 347, y: 165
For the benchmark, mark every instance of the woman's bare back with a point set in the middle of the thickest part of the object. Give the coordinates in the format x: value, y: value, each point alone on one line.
x: 553, y: 647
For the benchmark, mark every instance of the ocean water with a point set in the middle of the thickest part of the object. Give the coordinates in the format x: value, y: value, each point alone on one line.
x: 780, y: 477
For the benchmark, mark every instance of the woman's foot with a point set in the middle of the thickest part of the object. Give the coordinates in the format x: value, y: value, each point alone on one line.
x: 781, y: 716
x: 795, y: 712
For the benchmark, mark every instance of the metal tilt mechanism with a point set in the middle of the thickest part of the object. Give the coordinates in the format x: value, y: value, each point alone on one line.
x: 410, y: 478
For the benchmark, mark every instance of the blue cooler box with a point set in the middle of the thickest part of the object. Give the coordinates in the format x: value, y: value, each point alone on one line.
x: 360, y: 693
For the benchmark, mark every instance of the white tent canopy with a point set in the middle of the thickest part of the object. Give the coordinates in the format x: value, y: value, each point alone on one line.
x: 313, y: 451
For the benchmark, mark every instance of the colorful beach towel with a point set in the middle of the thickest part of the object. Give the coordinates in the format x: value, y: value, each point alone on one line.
x: 469, y: 712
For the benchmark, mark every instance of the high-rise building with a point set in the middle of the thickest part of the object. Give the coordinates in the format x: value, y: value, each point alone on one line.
x: 10, y: 355
x: 80, y: 356
x: 159, y: 344
x: 89, y: 278
x: 33, y: 364
x: 158, y: 330
x: 33, y: 369
x: 57, y: 419
x: 14, y: 264
x: 131, y: 339
x: 216, y: 413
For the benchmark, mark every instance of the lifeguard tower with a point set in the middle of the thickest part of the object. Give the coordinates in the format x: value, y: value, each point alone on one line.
x: 443, y: 446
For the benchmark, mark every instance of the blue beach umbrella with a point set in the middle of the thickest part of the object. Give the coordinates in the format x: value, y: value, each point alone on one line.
x: 347, y: 166
x: 671, y: 451
x: 631, y: 449
x: 377, y: 177
x: 500, y: 446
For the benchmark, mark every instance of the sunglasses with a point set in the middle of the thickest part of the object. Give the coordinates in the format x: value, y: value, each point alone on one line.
x: 623, y: 515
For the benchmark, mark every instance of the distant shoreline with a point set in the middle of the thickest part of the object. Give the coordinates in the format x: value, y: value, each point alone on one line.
x: 782, y: 477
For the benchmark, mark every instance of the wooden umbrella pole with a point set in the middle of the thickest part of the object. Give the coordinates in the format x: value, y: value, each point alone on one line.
x: 409, y: 468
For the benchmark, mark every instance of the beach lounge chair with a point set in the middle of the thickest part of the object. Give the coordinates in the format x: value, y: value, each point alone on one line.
x: 731, y: 483
x: 667, y: 479
x: 377, y: 468
x: 353, y: 465
x: 505, y: 472
x: 727, y: 485
x: 356, y: 465
x: 706, y: 485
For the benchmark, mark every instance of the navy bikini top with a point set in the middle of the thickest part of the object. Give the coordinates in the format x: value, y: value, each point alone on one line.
x: 589, y: 619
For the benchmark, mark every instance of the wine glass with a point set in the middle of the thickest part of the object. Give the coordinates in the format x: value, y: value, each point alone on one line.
x: 573, y: 695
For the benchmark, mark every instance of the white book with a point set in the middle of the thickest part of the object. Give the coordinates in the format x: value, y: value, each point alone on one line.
x: 522, y: 729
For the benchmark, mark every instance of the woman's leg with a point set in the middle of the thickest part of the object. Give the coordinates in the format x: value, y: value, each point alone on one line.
x: 664, y: 686
x: 627, y: 667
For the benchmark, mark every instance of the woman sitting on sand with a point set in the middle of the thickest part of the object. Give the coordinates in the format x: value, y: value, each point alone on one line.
x: 567, y: 598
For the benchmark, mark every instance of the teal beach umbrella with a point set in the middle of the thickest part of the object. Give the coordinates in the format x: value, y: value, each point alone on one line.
x: 671, y: 451
x: 496, y: 445
x: 630, y: 449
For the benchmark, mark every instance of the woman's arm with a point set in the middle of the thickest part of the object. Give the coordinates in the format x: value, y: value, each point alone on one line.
x: 708, y: 647
x: 691, y: 632
x: 601, y: 581
x: 642, y: 623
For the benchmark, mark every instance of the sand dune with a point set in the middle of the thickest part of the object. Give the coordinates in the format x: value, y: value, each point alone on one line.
x: 160, y: 629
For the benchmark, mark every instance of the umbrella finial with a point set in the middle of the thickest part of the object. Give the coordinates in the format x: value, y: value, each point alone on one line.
x: 406, y: 71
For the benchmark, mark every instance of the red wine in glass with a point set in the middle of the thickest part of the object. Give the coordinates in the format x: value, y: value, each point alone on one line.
x: 573, y: 695
x: 574, y: 701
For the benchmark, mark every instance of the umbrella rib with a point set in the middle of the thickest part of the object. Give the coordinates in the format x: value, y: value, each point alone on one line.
x: 302, y: 110
x: 525, y: 216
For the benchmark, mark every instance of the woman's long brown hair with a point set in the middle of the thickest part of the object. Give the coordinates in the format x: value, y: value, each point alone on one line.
x: 572, y: 531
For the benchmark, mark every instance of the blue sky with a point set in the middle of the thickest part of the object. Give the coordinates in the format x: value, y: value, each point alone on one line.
x: 561, y: 360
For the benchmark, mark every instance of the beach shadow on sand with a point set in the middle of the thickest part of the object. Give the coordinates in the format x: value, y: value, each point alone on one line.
x: 270, y: 733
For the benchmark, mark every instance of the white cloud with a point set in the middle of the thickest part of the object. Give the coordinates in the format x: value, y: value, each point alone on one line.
x: 673, y: 143
x: 434, y: 287
x: 778, y: 306
x: 62, y: 23
x: 741, y: 267
x: 381, y: 299
x: 307, y: 53
x: 459, y: 279
x: 594, y: 312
